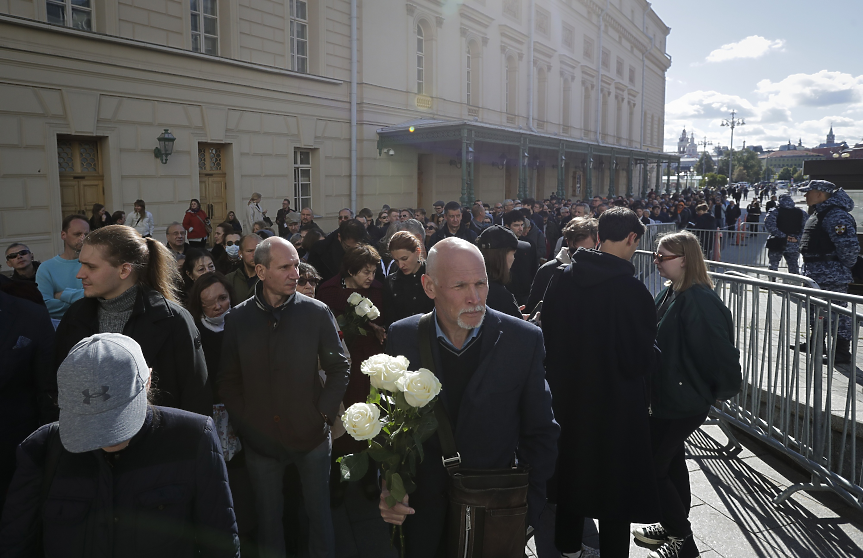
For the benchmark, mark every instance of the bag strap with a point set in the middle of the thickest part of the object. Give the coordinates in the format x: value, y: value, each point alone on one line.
x: 450, y: 458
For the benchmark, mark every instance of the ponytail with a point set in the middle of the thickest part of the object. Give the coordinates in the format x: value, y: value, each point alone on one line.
x: 153, y: 263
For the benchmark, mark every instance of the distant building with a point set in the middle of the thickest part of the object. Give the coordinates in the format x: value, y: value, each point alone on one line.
x: 831, y: 140
x: 788, y: 158
x: 686, y: 146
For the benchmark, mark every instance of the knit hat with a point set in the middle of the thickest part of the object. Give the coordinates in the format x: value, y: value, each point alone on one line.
x: 497, y: 237
x: 102, y: 392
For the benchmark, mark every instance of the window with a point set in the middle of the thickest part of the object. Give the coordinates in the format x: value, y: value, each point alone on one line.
x: 619, y: 68
x: 302, y: 178
x: 588, y: 49
x: 567, y: 100
x: 420, y: 60
x: 205, y: 26
x: 631, y: 75
x: 511, y: 84
x: 299, y: 36
x: 606, y: 59
x: 467, y: 81
x: 78, y: 156
x: 77, y: 14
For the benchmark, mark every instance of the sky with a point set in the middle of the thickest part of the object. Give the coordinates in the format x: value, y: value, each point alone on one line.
x: 789, y: 68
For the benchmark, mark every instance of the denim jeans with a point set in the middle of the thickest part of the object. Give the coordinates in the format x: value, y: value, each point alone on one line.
x: 266, y: 474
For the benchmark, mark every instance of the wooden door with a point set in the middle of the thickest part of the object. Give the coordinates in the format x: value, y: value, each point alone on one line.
x: 81, y: 180
x: 214, y: 198
x: 510, y: 182
x: 79, y: 195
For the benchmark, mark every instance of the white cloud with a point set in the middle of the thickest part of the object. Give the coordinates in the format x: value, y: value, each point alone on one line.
x: 821, y: 89
x: 754, y: 46
x: 708, y: 104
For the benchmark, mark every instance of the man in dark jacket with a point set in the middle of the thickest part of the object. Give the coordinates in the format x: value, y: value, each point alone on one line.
x: 133, y: 296
x: 326, y: 255
x: 26, y: 369
x: 601, y: 396
x: 275, y: 398
x: 116, y: 476
x: 281, y: 218
x: 452, y: 226
x: 732, y: 214
x: 525, y: 264
x: 491, y: 367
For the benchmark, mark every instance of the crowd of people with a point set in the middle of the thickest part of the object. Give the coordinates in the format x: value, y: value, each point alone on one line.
x: 138, y: 340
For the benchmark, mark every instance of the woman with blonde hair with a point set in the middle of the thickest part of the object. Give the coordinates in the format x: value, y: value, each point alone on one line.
x: 254, y: 212
x: 700, y: 365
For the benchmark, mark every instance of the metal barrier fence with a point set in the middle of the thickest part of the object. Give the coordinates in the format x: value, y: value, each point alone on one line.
x: 653, y: 232
x: 799, y: 403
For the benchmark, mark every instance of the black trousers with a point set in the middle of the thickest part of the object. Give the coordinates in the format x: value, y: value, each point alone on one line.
x: 669, y: 465
x: 569, y: 532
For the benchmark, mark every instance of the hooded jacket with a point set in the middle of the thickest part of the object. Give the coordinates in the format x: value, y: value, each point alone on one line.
x: 598, y: 370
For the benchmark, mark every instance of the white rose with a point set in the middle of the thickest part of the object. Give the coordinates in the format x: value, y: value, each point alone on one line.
x: 362, y: 421
x: 361, y: 309
x: 383, y: 371
x: 419, y: 387
x: 355, y: 299
x: 374, y: 313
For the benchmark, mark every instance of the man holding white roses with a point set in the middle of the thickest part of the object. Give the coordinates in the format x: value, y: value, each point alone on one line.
x: 270, y: 385
x: 494, y: 392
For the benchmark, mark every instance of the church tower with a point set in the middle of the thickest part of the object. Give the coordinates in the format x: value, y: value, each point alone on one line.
x: 681, y: 142
x: 831, y: 139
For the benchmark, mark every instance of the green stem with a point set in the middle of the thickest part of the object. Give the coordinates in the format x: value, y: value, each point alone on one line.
x: 402, y: 537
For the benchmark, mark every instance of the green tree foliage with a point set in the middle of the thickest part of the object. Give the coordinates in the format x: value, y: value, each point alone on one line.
x: 798, y: 176
x: 740, y: 174
x: 713, y: 180
x: 705, y: 165
x: 748, y: 160
x: 785, y: 174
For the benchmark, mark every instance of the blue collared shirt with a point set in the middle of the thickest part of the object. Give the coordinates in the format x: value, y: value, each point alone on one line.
x: 441, y: 335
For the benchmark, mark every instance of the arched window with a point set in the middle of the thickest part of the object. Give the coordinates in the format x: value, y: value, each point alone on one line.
x: 467, y: 78
x: 420, y: 60
x: 511, y: 85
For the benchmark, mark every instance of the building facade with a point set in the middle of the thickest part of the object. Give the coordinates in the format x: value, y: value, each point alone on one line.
x: 567, y: 97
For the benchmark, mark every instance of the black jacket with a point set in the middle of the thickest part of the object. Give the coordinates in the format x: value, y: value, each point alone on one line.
x: 169, y: 340
x: 502, y: 300
x: 326, y: 256
x: 404, y: 296
x: 522, y: 271
x: 443, y: 232
x: 598, y: 370
x: 273, y: 393
x: 166, y: 494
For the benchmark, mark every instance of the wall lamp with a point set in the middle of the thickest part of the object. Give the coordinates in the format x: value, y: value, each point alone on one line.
x: 501, y: 161
x: 166, y: 146
x: 456, y: 162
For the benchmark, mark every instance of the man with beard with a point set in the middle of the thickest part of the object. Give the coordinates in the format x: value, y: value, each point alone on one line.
x: 495, y: 394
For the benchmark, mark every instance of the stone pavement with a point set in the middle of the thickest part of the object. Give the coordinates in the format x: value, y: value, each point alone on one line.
x: 733, y: 514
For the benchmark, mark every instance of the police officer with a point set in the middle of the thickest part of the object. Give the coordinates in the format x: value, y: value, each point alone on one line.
x: 785, y: 222
x: 829, y: 247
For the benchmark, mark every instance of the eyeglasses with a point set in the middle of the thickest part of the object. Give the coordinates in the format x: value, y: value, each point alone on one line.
x: 302, y: 281
x: 231, y: 243
x: 14, y: 255
x: 431, y: 229
x: 344, y: 217
x: 663, y: 258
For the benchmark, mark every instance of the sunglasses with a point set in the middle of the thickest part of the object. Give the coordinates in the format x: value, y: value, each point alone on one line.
x: 231, y: 243
x: 431, y: 229
x: 661, y: 258
x: 14, y: 255
x: 344, y: 218
x: 302, y: 281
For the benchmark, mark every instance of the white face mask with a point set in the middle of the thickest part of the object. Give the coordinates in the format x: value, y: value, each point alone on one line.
x: 218, y: 320
x: 233, y: 251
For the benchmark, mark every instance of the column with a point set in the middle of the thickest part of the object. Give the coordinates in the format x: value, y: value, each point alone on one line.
x: 464, y: 164
x: 611, y: 173
x: 589, y: 186
x: 561, y: 163
x: 629, y: 175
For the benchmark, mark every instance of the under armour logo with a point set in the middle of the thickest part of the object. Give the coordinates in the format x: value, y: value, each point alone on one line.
x: 103, y: 394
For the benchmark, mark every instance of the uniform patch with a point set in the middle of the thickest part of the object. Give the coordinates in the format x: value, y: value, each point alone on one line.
x: 840, y: 229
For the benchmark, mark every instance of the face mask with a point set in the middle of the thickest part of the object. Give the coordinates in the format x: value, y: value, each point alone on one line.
x: 217, y: 321
x: 233, y: 251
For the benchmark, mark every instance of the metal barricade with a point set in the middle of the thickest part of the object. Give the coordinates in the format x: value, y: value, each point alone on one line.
x: 797, y: 402
x: 652, y: 234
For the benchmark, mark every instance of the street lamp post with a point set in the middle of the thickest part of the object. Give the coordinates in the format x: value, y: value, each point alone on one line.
x: 732, y: 123
x: 704, y: 143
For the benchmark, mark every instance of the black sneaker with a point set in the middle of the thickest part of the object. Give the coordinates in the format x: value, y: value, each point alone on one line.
x: 651, y: 534
x: 676, y: 548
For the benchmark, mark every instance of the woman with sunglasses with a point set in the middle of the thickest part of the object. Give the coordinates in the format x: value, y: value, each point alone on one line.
x: 404, y: 295
x: 700, y: 365
x: 431, y: 229
x: 230, y: 258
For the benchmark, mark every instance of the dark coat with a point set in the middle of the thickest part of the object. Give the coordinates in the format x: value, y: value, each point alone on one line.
x: 522, y: 271
x: 269, y: 378
x: 502, y: 300
x: 26, y: 367
x: 540, y: 283
x: 404, y: 296
x: 699, y: 358
x: 169, y: 340
x: 166, y: 494
x: 211, y: 343
x: 599, y: 324
x: 326, y: 256
x: 443, y: 232
x: 506, y: 405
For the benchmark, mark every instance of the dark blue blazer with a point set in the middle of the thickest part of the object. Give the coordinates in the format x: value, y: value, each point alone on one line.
x: 506, y: 407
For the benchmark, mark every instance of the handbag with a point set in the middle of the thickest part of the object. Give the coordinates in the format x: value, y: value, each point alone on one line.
x: 206, y: 224
x: 487, y: 508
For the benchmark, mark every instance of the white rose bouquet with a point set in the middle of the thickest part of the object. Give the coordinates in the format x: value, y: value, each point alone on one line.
x: 357, y: 315
x: 396, y: 419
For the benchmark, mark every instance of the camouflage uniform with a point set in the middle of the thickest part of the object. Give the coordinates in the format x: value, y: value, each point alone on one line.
x: 828, y: 259
x: 792, y: 249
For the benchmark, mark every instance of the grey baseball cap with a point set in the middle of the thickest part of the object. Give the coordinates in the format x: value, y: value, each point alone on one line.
x: 102, y: 392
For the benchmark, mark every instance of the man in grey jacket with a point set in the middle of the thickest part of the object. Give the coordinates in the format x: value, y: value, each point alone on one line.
x: 269, y: 383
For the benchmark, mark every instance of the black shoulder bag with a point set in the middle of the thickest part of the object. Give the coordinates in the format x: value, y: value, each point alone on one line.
x: 487, y: 513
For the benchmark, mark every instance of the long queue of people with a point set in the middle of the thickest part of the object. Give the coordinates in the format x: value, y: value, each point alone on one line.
x: 190, y: 397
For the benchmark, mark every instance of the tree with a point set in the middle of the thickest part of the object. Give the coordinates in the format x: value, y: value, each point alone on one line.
x: 747, y: 159
x: 798, y: 176
x: 740, y: 174
x: 705, y: 164
x: 713, y: 180
x: 785, y: 174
